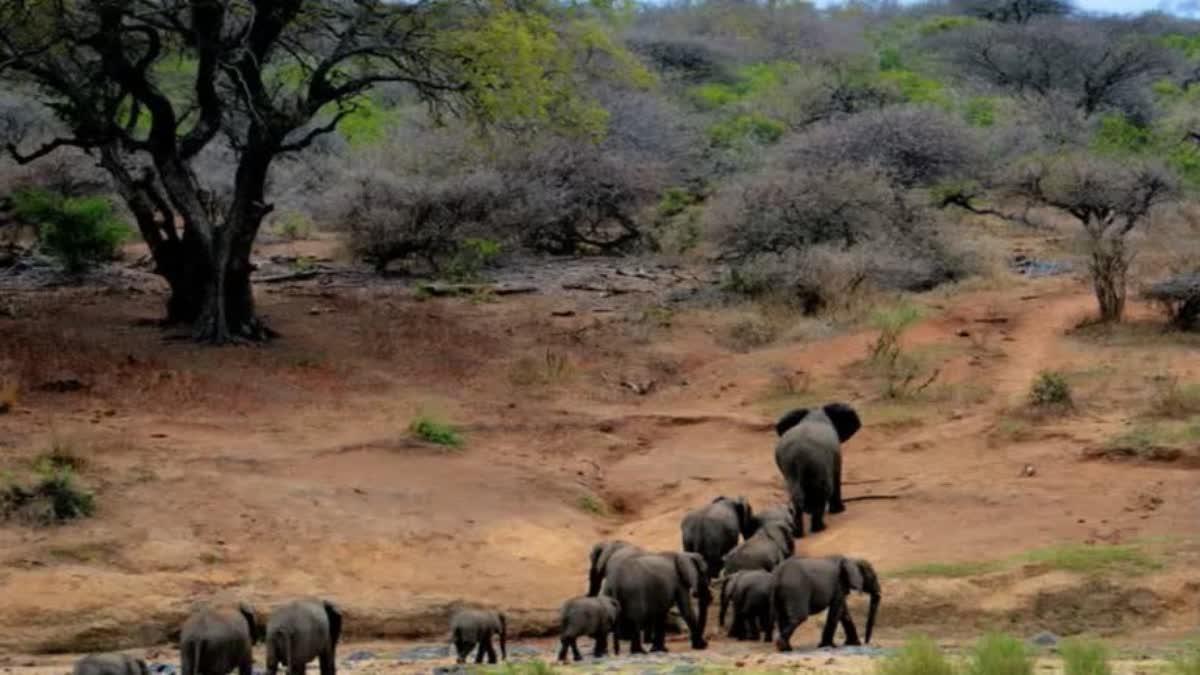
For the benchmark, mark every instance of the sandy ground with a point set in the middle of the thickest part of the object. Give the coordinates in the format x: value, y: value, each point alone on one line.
x: 264, y: 473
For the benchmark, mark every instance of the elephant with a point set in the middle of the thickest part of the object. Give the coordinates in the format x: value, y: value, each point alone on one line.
x: 713, y: 529
x: 645, y: 586
x: 749, y: 593
x: 586, y: 615
x: 771, y: 545
x: 214, y: 641
x: 809, y: 455
x: 470, y: 627
x: 801, y: 587
x: 605, y: 557
x: 110, y: 664
x: 780, y: 514
x: 301, y: 631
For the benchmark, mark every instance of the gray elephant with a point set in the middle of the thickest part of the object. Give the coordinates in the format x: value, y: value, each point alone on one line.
x: 647, y: 585
x: 802, y: 587
x: 594, y: 617
x: 714, y: 529
x: 301, y: 631
x: 749, y: 593
x: 110, y: 664
x: 214, y: 641
x: 771, y: 545
x: 605, y: 557
x: 780, y: 514
x: 470, y: 627
x: 809, y: 455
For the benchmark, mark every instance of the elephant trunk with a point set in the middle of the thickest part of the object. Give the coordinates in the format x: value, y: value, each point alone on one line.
x: 504, y: 637
x: 871, y: 612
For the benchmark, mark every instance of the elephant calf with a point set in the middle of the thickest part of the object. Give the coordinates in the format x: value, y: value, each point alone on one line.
x: 771, y: 545
x: 780, y: 514
x: 110, y: 664
x: 749, y: 593
x: 214, y: 641
x: 470, y: 627
x: 302, y: 631
x: 801, y: 587
x: 713, y: 529
x: 585, y: 615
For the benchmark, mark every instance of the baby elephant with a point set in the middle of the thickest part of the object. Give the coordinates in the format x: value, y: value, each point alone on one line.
x: 216, y: 640
x: 110, y: 664
x: 595, y: 617
x: 470, y: 627
x: 301, y: 631
x: 749, y: 593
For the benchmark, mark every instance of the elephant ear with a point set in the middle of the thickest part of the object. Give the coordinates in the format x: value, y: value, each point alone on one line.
x: 789, y: 420
x: 781, y: 535
x: 247, y: 613
x: 745, y: 516
x: 335, y: 621
x: 845, y: 420
x: 850, y: 573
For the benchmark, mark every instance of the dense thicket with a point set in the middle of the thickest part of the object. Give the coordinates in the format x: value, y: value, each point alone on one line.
x: 797, y: 143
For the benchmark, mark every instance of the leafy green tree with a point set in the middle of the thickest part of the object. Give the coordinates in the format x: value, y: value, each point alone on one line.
x: 147, y: 86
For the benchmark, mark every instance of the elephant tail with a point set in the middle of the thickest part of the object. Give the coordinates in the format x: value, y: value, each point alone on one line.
x: 503, y: 636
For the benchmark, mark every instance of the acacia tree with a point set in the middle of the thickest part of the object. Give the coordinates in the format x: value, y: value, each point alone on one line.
x: 1109, y: 198
x: 147, y: 86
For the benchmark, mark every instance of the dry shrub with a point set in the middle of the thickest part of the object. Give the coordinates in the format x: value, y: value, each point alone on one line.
x: 1173, y: 399
x: 820, y: 279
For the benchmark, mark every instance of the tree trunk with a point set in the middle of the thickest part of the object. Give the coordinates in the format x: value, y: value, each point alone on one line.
x: 1109, y: 267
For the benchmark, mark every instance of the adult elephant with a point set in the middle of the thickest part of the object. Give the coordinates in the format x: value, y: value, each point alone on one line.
x: 770, y: 545
x: 802, y: 587
x: 606, y: 556
x: 714, y: 529
x: 809, y: 455
x: 216, y: 640
x: 646, y: 586
x: 301, y: 631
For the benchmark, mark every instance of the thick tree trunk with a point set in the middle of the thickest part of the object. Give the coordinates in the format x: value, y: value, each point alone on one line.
x: 1110, y: 267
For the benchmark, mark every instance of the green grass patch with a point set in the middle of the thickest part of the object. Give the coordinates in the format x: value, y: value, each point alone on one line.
x: 918, y: 656
x: 1187, y: 662
x: 1082, y: 656
x: 1094, y: 559
x: 999, y: 654
x: 948, y: 570
x: 1050, y: 388
x: 53, y: 497
x: 1146, y: 436
x: 437, y: 432
x: 591, y: 504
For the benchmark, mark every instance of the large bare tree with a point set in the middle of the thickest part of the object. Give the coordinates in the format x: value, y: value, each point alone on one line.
x: 147, y: 86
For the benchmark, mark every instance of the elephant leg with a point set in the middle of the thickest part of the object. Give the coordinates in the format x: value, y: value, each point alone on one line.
x: 328, y: 662
x: 735, y: 627
x: 832, y: 617
x: 817, y: 512
x: 849, y: 629
x: 796, y: 494
x: 296, y: 668
x: 562, y: 651
x: 635, y: 638
x: 575, y: 649
x: 683, y: 602
x: 464, y: 649
x: 491, y: 649
x: 480, y: 652
x: 600, y: 648
x: 659, y: 629
x: 836, y: 505
x: 786, y: 628
x: 246, y: 667
x: 765, y: 620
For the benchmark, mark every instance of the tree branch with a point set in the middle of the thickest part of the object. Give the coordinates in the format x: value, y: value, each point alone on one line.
x: 44, y: 150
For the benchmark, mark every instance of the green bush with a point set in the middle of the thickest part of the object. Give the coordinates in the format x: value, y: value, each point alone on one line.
x: 434, y: 431
x: 54, y: 498
x: 1050, y: 388
x: 999, y: 654
x: 919, y: 656
x: 1084, y: 657
x: 78, y: 231
x: 471, y: 258
x: 293, y: 225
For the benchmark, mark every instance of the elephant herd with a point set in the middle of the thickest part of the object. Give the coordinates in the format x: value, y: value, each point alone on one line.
x: 767, y: 586
x: 631, y: 591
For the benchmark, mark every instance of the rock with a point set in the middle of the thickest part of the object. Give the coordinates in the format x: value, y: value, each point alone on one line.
x: 563, y: 312
x: 423, y: 653
x: 1044, y: 639
x: 360, y: 655
x: 1028, y: 471
x: 963, y: 333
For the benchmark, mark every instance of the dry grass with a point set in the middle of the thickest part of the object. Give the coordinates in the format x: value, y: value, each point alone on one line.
x: 1172, y: 399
